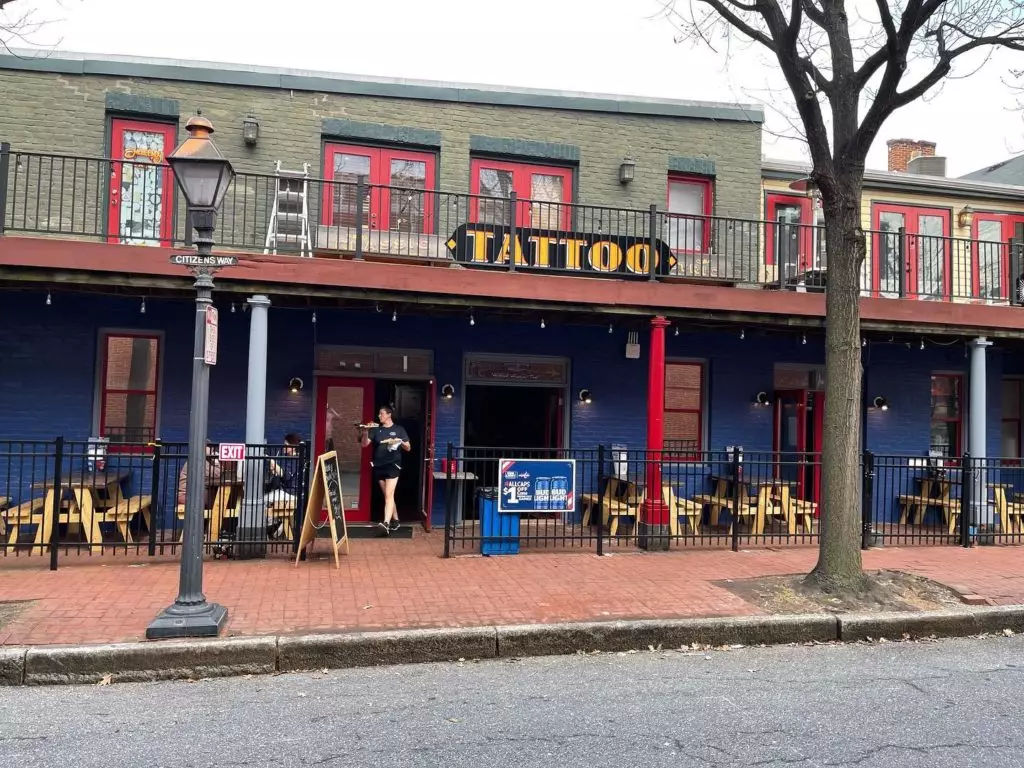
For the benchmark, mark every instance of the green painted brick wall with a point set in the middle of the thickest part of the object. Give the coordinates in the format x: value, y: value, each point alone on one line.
x: 48, y: 112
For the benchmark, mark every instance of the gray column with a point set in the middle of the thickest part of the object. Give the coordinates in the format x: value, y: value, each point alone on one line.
x: 253, y: 523
x: 981, y: 512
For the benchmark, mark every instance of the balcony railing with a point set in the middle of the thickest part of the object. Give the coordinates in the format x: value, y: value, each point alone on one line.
x: 137, y: 202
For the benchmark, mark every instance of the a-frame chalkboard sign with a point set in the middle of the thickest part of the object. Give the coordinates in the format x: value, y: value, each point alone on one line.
x: 325, y: 491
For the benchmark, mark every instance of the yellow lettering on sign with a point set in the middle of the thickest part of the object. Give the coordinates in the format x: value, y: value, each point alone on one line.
x: 503, y: 253
x: 139, y: 153
x: 605, y: 256
x: 637, y: 256
x: 479, y: 246
x: 572, y: 252
x: 541, y: 249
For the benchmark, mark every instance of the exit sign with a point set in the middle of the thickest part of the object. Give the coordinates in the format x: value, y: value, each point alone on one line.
x: 232, y: 451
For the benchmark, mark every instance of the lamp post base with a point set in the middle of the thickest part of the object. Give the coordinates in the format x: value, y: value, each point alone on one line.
x: 205, y: 620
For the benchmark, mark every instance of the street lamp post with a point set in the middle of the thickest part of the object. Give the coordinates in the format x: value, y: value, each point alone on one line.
x: 203, y: 175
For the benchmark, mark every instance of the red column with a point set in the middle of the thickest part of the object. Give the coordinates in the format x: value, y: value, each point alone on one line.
x: 655, y: 510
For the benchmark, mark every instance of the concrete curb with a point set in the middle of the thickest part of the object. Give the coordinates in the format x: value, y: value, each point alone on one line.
x: 140, y: 662
x: 892, y: 626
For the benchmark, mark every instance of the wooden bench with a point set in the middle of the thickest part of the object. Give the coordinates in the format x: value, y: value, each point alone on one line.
x: 1011, y: 513
x: 690, y: 509
x: 122, y: 514
x: 914, y: 506
x: 27, y: 513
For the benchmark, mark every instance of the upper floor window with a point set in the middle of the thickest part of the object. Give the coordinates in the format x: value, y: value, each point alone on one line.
x: 911, y: 252
x: 794, y: 235
x: 129, y: 386
x: 991, y: 277
x: 545, y: 190
x: 690, y: 202
x: 395, y: 196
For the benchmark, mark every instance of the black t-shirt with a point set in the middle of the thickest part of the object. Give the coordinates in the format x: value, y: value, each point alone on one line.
x: 387, y: 454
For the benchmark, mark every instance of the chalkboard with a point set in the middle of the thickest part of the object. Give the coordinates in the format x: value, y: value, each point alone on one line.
x: 325, y: 490
x: 332, y: 481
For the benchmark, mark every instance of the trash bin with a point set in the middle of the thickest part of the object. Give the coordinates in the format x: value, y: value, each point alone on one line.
x: 499, y: 533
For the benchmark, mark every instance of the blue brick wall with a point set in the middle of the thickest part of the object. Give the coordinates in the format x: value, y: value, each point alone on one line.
x: 49, y: 356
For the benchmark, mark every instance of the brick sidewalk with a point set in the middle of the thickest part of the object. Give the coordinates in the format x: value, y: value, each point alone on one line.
x: 402, y: 583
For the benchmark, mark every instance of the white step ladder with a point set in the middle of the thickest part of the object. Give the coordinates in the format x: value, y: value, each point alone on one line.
x: 289, y: 218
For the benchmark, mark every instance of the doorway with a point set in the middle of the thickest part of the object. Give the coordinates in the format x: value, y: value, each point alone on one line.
x: 343, y: 403
x: 799, y: 420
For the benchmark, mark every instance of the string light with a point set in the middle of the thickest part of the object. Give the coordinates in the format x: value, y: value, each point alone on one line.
x: 922, y: 343
x: 542, y: 323
x: 803, y: 339
x: 314, y: 318
x: 863, y: 341
x: 471, y: 320
x: 743, y: 334
x: 232, y: 307
x: 49, y: 301
x: 677, y: 331
x: 610, y: 329
x: 142, y: 308
x: 394, y: 316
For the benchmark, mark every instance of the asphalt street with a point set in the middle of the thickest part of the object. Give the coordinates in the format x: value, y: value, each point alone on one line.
x: 948, y: 703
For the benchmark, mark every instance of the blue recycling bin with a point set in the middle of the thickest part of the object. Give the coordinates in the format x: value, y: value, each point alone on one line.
x: 499, y: 533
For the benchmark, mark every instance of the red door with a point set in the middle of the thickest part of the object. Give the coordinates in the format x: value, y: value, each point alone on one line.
x: 545, y: 192
x: 553, y: 430
x: 790, y: 234
x: 914, y: 241
x: 992, y: 277
x: 340, y: 404
x: 141, y: 208
x: 395, y: 201
x: 799, y: 420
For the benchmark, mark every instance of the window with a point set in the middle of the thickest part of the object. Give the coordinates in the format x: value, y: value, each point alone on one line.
x: 141, y: 207
x: 1010, y: 439
x: 795, y: 235
x: 690, y: 201
x: 129, y: 387
x: 918, y: 237
x: 990, y: 256
x: 545, y: 189
x: 395, y: 198
x: 684, y: 410
x: 947, y: 415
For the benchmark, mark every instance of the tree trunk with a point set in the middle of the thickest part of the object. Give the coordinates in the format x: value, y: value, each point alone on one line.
x: 839, y: 561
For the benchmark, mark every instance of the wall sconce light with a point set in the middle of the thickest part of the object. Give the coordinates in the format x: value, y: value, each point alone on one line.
x: 250, y: 130
x: 295, y: 385
x: 966, y: 217
x: 447, y: 392
x: 761, y: 400
x: 881, y: 404
x: 627, y: 170
x: 585, y: 397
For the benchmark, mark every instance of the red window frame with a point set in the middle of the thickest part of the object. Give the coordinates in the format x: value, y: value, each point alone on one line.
x: 104, y: 390
x: 910, y: 214
x: 118, y: 127
x: 695, y: 452
x: 377, y: 207
x: 806, y: 246
x: 1007, y: 222
x: 521, y: 185
x: 708, y: 189
x: 957, y: 449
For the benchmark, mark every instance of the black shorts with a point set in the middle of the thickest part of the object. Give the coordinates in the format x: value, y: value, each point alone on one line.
x: 387, y: 472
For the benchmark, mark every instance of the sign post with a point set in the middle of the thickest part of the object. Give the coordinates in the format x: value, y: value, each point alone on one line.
x: 210, y: 336
x: 325, y: 491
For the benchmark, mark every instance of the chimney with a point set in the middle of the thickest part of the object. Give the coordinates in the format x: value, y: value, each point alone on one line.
x: 924, y: 165
x: 902, y: 151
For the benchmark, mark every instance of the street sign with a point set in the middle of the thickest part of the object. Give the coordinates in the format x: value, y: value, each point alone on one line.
x: 537, y: 485
x: 232, y: 451
x: 210, y: 338
x: 194, y: 260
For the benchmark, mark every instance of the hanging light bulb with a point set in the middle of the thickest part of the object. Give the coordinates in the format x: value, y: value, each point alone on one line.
x: 863, y: 341
x: 49, y: 301
x: 142, y: 308
x: 314, y: 318
x: 394, y: 316
x: 676, y: 331
x: 542, y: 323
x: 803, y: 339
x: 610, y: 329
x: 743, y: 334
x: 232, y: 307
x: 471, y: 320
x: 922, y: 342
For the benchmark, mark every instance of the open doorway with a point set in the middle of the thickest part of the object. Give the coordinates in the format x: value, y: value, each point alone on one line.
x: 513, y: 417
x: 409, y: 401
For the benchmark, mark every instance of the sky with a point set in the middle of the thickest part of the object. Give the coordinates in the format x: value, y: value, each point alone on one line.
x: 604, y: 46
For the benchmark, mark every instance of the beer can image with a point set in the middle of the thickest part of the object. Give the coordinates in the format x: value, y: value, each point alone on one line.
x: 542, y: 494
x: 559, y: 493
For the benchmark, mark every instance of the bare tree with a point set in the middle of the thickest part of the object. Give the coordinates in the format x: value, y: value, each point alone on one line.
x: 19, y: 24
x: 839, y: 58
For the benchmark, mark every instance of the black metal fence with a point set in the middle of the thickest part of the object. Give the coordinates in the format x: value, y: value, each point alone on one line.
x: 64, y: 497
x: 133, y: 201
x: 730, y: 500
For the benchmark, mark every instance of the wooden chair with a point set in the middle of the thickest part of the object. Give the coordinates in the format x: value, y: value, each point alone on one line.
x: 614, y: 507
x: 1011, y: 513
x: 718, y: 501
x: 689, y: 509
